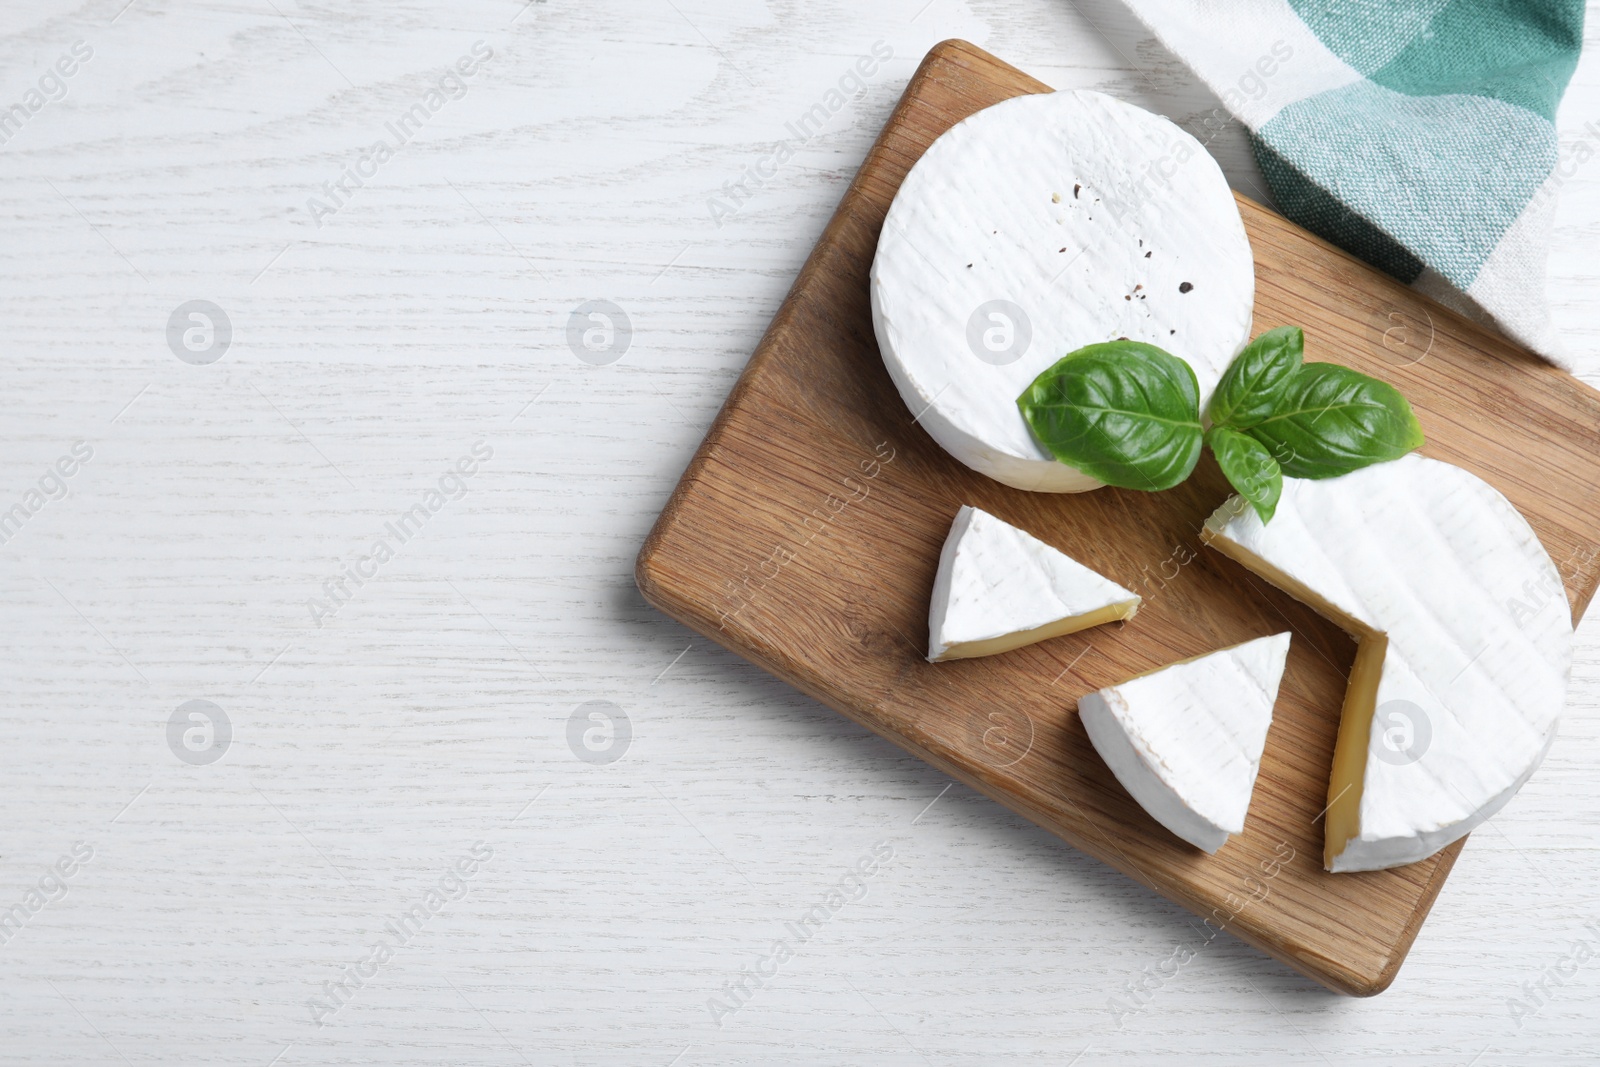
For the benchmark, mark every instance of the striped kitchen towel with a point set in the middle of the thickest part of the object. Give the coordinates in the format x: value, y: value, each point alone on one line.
x: 1417, y: 135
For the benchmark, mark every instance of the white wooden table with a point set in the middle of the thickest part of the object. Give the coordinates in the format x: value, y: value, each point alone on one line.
x: 367, y: 729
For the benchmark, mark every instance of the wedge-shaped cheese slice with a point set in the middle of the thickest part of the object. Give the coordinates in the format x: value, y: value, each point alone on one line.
x: 1033, y: 228
x: 999, y: 588
x: 1186, y: 740
x: 1465, y: 642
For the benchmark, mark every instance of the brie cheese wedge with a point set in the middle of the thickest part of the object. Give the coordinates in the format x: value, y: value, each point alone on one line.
x: 1038, y: 226
x: 1465, y: 644
x: 999, y: 588
x: 1186, y: 740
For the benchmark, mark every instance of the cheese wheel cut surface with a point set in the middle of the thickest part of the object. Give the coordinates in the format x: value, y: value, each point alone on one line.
x: 1465, y: 644
x: 1038, y: 226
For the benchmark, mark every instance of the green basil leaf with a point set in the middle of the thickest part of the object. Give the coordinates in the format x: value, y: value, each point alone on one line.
x: 1333, y: 420
x: 1256, y: 379
x: 1249, y: 468
x: 1124, y: 412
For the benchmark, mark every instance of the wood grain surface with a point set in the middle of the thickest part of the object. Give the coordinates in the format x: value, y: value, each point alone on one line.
x: 805, y: 534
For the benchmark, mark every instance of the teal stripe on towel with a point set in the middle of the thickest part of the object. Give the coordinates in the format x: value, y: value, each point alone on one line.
x: 1442, y: 176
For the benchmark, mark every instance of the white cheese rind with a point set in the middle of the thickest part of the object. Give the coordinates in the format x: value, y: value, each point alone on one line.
x: 995, y: 580
x: 989, y: 213
x: 1479, y: 638
x: 1185, y: 741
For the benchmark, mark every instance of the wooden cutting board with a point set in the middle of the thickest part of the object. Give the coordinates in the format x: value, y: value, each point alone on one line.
x: 805, y: 534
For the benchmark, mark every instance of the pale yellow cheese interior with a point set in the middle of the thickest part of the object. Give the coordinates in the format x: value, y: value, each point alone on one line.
x: 1069, y: 625
x: 1350, y: 751
x: 1343, y: 820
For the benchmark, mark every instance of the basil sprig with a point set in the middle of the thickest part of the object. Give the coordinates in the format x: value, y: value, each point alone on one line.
x: 1128, y: 414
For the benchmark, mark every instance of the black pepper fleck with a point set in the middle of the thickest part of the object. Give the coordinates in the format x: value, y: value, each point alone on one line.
x: 1170, y: 332
x: 1061, y: 249
x: 1075, y: 190
x: 1185, y: 287
x: 1147, y: 254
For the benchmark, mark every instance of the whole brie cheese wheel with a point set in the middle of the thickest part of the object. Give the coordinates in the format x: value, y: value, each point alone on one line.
x: 1035, y: 227
x: 1465, y: 644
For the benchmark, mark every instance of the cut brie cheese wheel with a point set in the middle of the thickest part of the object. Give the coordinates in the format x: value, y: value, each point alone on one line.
x: 1465, y: 642
x: 1186, y: 740
x: 999, y: 588
x: 1036, y: 227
